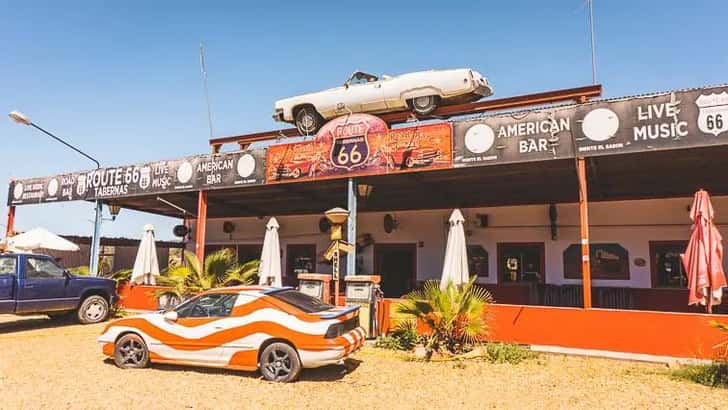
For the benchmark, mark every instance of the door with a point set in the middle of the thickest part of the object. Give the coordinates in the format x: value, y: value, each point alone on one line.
x: 666, y: 265
x: 397, y: 265
x: 8, y: 272
x: 44, y: 287
x: 521, y: 263
x: 300, y: 258
x: 362, y: 92
x: 200, y: 330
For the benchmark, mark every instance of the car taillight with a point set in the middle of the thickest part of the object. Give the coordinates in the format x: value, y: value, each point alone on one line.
x: 334, y: 331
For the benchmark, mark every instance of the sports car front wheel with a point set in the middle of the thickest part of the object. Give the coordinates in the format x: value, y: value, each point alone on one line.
x: 279, y: 363
x: 130, y: 352
x: 424, y: 105
x: 308, y: 120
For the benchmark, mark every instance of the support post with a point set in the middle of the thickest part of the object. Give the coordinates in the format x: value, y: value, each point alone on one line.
x: 93, y: 263
x: 10, y: 225
x: 201, y: 225
x: 351, y: 227
x: 584, y: 227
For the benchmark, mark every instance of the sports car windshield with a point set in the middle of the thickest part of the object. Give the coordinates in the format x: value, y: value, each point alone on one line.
x: 302, y: 301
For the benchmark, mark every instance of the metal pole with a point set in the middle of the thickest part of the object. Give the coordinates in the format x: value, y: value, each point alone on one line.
x: 351, y: 227
x: 201, y: 226
x: 10, y: 226
x: 584, y: 227
x: 593, y: 50
x: 93, y: 264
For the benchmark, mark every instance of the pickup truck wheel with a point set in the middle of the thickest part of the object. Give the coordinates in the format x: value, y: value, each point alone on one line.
x: 94, y: 309
x: 424, y: 105
x: 279, y: 362
x: 130, y: 352
x: 308, y: 120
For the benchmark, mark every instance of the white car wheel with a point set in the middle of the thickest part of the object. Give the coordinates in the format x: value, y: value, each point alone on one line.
x: 424, y: 105
x: 308, y: 120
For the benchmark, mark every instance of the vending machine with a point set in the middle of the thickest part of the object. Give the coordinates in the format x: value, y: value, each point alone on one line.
x: 363, y: 290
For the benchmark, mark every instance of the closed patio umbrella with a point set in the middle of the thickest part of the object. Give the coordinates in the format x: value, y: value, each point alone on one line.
x: 39, y: 238
x: 146, y: 266
x: 703, y: 259
x: 270, y: 258
x: 455, y: 268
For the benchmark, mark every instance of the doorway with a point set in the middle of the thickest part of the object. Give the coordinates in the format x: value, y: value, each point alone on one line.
x: 666, y: 264
x: 397, y: 265
x: 521, y: 262
x: 300, y: 258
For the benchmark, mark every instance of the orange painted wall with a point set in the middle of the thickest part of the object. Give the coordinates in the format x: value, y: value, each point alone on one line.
x: 686, y: 335
x: 140, y: 297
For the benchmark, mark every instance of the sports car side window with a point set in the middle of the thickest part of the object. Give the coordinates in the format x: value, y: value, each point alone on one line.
x: 212, y: 305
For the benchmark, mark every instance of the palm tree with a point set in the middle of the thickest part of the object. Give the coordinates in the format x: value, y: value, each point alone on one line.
x: 220, y: 269
x: 454, y: 315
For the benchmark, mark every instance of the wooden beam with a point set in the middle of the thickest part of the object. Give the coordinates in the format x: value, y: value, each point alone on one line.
x: 201, y: 226
x: 10, y: 224
x: 584, y: 228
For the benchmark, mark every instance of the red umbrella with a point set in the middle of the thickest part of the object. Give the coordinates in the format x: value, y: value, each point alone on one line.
x: 703, y: 259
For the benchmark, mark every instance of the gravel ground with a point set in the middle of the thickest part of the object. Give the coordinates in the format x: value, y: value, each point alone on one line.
x: 47, y: 366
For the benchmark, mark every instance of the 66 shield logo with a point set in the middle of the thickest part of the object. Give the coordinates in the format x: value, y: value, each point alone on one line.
x: 350, y: 147
x: 713, y: 116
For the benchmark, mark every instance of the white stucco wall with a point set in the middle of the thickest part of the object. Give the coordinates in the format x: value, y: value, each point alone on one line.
x: 633, y: 224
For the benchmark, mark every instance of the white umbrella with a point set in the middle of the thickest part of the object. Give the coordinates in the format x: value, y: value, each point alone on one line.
x: 455, y: 268
x: 39, y: 238
x: 270, y: 258
x: 146, y: 266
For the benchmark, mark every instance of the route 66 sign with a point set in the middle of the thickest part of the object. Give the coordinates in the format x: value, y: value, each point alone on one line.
x: 350, y: 147
x: 713, y: 115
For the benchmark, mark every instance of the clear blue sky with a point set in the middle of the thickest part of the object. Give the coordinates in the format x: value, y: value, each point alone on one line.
x: 122, y: 79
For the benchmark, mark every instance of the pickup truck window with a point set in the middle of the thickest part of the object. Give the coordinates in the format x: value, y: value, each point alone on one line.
x: 7, y: 265
x: 38, y: 268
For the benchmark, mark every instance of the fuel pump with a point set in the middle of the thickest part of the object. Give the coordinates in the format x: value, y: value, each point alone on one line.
x: 363, y: 290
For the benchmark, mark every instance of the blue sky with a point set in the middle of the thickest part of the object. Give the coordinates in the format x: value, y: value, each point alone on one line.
x: 122, y: 80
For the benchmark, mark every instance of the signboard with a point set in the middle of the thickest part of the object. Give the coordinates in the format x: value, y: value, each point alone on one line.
x: 518, y: 137
x: 217, y: 171
x: 361, y: 144
x: 678, y: 119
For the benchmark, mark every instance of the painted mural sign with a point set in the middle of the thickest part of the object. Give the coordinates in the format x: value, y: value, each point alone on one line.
x: 666, y: 121
x: 361, y: 144
x: 518, y: 137
x: 215, y: 171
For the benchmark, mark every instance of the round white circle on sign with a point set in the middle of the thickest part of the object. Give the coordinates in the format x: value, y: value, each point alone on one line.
x: 53, y: 187
x: 184, y: 172
x: 18, y: 190
x: 600, y: 124
x: 246, y: 165
x: 479, y: 138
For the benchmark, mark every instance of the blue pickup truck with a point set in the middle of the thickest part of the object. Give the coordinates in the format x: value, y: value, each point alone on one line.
x: 36, y: 284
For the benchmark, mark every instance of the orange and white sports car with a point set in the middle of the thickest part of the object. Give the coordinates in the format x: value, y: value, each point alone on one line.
x: 276, y: 330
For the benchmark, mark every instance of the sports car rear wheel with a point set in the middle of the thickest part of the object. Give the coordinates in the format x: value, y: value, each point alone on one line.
x: 130, y: 352
x: 424, y: 105
x: 279, y: 363
x: 308, y: 120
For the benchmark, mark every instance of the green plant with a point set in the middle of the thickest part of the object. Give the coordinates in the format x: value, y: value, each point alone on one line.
x: 508, y: 353
x: 219, y: 269
x: 79, y: 270
x: 455, y: 316
x: 403, y: 337
x: 714, y: 375
x: 121, y: 276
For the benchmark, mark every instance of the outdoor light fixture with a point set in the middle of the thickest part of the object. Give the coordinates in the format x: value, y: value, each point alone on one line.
x: 19, y: 117
x: 337, y: 217
x: 364, y: 190
x: 114, y: 210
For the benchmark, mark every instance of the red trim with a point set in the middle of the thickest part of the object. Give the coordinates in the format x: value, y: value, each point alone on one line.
x: 201, y: 226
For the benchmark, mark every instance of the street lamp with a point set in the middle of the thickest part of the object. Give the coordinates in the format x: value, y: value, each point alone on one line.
x: 20, y: 118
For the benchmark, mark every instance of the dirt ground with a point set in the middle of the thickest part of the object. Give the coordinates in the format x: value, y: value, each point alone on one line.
x: 43, y: 365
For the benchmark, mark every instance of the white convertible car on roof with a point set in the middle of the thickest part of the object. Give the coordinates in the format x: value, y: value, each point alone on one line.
x: 422, y: 92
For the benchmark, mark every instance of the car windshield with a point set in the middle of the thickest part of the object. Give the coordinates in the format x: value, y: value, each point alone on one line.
x: 362, y: 78
x: 302, y: 301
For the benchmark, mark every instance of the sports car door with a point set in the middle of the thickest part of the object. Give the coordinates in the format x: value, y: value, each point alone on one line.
x: 201, y: 332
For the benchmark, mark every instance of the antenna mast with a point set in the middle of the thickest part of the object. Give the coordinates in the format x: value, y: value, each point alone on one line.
x: 204, y: 83
x: 593, y: 51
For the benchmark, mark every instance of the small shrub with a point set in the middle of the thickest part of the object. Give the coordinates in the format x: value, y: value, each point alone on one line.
x: 713, y: 375
x: 508, y: 353
x: 403, y: 337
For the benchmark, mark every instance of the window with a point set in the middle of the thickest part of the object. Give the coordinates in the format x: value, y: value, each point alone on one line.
x: 477, y: 260
x: 608, y: 261
x: 521, y: 262
x: 302, y: 301
x: 362, y: 78
x: 212, y: 305
x: 300, y: 259
x: 7, y: 265
x: 666, y: 264
x: 38, y: 268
